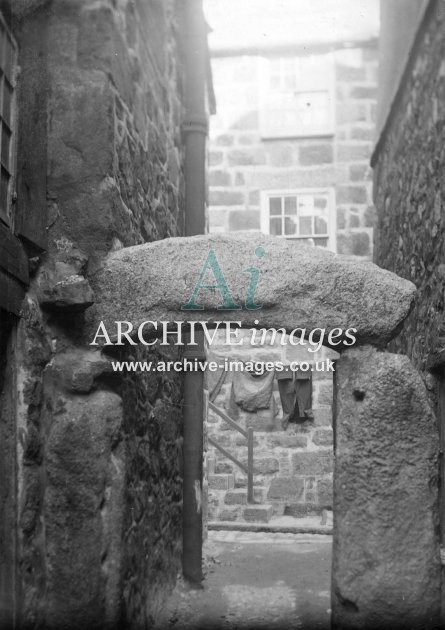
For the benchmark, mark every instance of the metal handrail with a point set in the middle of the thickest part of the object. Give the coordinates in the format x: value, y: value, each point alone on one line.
x: 249, y: 435
x: 227, y: 418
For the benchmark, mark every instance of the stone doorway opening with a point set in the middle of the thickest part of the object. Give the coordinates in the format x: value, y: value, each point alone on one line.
x: 386, y: 561
x: 268, y: 557
x: 285, y: 399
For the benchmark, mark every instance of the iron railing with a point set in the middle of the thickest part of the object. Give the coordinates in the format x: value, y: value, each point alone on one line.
x: 249, y: 436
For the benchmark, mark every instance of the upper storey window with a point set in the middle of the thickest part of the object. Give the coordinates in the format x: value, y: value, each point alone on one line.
x: 297, y: 98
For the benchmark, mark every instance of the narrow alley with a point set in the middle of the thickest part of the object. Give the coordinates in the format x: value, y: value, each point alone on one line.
x: 258, y: 580
x: 222, y: 314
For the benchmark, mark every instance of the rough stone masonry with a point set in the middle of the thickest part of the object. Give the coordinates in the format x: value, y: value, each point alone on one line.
x: 386, y: 563
x: 94, y: 510
x: 95, y: 501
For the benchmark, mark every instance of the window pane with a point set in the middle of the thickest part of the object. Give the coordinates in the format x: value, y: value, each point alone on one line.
x: 305, y: 205
x: 275, y: 73
x: 290, y: 225
x: 275, y: 227
x: 290, y: 205
x: 318, y: 70
x: 7, y: 67
x: 321, y: 225
x: 304, y: 109
x: 275, y: 205
x: 288, y: 66
x: 300, y: 96
x: 4, y: 184
x: 320, y: 202
x: 313, y: 109
x: 7, y: 98
x: 305, y: 225
x: 300, y: 216
x: 6, y: 141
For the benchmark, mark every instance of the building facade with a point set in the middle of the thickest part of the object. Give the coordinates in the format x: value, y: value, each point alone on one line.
x: 289, y: 155
x: 293, y: 135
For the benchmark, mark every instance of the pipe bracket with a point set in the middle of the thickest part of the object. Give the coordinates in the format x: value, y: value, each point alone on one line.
x: 196, y: 124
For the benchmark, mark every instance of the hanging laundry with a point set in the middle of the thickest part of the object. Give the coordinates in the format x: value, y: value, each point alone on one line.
x: 288, y: 396
x: 252, y: 391
x: 303, y: 391
x: 295, y: 389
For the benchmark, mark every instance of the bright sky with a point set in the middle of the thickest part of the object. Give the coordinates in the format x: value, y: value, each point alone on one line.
x: 239, y: 23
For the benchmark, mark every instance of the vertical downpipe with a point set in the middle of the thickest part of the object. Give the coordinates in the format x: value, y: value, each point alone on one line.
x: 250, y: 465
x: 195, y: 135
x: 195, y: 126
x: 192, y: 456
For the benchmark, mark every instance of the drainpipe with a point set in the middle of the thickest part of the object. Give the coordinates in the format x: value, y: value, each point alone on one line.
x: 195, y: 135
x: 195, y: 126
x: 192, y: 450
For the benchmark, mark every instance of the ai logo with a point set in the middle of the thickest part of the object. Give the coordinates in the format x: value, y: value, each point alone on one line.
x: 211, y: 264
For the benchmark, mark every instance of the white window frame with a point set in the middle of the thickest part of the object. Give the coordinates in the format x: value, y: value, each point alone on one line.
x: 307, y: 86
x: 11, y: 169
x: 331, y: 215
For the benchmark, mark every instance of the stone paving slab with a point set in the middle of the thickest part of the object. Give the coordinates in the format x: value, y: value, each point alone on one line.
x: 256, y: 581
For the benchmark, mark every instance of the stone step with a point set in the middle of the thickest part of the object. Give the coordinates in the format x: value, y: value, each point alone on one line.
x: 230, y: 514
x: 221, y: 482
x: 238, y: 496
x: 258, y: 513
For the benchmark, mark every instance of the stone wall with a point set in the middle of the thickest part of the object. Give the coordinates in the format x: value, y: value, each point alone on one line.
x: 8, y: 489
x: 91, y: 451
x: 152, y: 531
x: 409, y: 195
x: 116, y: 115
x: 242, y: 164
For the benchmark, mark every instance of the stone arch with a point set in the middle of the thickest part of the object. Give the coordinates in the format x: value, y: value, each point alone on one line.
x: 386, y: 565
